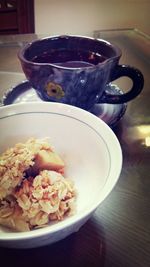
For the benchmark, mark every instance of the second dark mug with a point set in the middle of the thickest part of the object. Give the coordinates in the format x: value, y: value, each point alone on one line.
x: 76, y: 70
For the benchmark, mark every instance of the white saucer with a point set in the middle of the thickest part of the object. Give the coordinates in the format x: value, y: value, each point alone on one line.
x: 110, y: 113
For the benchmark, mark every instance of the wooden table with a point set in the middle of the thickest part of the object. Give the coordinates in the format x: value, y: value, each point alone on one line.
x: 118, y: 234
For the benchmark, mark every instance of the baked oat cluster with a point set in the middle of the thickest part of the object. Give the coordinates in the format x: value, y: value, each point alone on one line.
x: 33, y: 189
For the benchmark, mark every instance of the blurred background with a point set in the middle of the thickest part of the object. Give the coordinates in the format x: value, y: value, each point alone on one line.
x: 80, y: 16
x: 72, y: 16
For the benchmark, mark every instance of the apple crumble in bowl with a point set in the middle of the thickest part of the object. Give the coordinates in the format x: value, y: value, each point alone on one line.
x: 33, y: 190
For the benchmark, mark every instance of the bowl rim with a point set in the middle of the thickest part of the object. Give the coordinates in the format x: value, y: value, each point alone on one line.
x: 91, y: 120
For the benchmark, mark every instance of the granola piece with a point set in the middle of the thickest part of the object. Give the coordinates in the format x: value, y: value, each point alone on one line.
x: 47, y: 197
x: 11, y: 216
x: 16, y: 161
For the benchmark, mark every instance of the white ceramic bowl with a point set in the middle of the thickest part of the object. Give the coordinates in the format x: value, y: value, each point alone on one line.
x: 89, y: 148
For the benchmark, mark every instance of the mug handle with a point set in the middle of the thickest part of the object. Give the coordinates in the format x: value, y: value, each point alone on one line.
x: 138, y: 81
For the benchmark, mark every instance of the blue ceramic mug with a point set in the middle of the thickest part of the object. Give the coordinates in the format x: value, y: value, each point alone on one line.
x: 75, y: 70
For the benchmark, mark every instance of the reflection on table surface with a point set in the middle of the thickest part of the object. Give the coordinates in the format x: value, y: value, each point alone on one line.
x: 118, y: 234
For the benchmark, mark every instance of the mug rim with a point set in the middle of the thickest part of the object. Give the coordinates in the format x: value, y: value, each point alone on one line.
x: 22, y: 51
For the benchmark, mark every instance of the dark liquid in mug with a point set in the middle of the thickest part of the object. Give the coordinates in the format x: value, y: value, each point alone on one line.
x: 70, y: 58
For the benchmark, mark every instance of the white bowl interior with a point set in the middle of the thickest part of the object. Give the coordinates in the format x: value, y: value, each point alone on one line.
x: 88, y: 146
